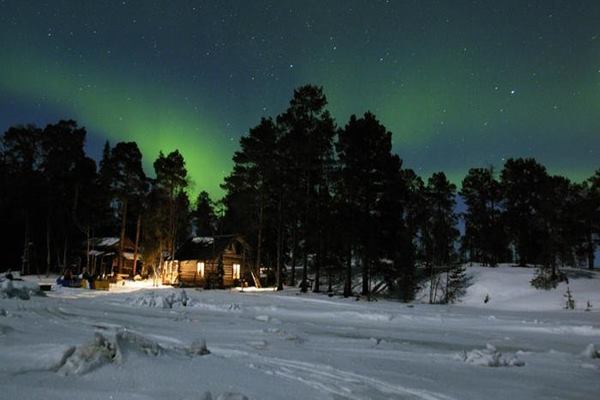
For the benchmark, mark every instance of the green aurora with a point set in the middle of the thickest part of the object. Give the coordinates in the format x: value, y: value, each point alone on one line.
x: 128, y: 110
x: 459, y: 85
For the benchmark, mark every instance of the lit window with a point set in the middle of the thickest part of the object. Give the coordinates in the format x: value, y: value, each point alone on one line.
x: 236, y: 271
x: 200, y: 269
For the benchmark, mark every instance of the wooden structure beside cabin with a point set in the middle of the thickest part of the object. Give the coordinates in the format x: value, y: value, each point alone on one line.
x: 198, y: 261
x: 104, y: 256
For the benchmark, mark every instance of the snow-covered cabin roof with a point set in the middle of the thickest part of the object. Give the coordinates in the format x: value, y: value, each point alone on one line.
x: 206, y: 248
x: 108, y: 243
x: 203, y: 240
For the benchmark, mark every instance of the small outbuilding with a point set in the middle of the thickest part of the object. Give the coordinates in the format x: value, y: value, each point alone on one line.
x: 103, y: 256
x: 212, y: 262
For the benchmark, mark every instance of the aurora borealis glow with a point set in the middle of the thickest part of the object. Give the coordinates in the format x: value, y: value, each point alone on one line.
x: 460, y: 84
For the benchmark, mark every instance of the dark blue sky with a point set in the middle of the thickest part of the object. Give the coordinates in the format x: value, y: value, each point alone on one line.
x: 459, y: 83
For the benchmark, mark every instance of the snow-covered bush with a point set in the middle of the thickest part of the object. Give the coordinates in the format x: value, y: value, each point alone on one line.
x: 545, y: 279
x: 154, y: 300
x: 490, y: 357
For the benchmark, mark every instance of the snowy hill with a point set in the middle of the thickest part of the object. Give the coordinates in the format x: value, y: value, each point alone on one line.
x: 509, y: 288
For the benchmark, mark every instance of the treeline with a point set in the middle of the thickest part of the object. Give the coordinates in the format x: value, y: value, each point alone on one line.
x: 320, y: 205
x: 331, y: 201
x: 53, y: 199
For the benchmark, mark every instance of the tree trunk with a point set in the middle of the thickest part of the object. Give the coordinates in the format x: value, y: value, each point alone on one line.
x: 279, y: 244
x: 25, y: 259
x: 319, y: 257
x: 294, y: 250
x: 348, y: 280
x: 122, y: 241
x: 304, y: 283
x: 87, y: 254
x: 591, y: 256
x: 65, y: 248
x: 48, y: 256
x: 447, y: 295
x: 365, y: 276
x: 431, y: 284
x: 173, y: 227
x: 317, y: 268
x: 137, y: 241
x: 259, y: 237
x: 306, y: 234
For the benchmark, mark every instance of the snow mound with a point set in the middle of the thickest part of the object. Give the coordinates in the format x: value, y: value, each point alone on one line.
x: 87, y: 357
x: 222, y: 396
x: 19, y: 289
x: 591, y: 351
x: 154, y: 300
x: 112, y: 349
x: 490, y: 357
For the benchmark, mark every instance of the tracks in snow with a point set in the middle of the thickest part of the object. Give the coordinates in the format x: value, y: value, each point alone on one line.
x: 325, y: 378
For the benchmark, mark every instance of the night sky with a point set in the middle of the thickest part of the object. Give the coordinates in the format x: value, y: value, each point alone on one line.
x: 460, y: 84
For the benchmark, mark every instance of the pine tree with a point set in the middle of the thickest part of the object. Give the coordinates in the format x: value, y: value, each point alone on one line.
x: 204, y: 215
x: 439, y: 233
x: 485, y: 239
x: 368, y: 174
x: 589, y: 217
x: 522, y: 183
x: 254, y: 187
x: 569, y: 300
x: 456, y: 280
x: 307, y: 131
x: 128, y: 184
x: 21, y: 195
x: 104, y: 194
x: 172, y: 180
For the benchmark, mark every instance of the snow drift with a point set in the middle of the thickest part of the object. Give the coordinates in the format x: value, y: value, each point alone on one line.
x: 19, y: 289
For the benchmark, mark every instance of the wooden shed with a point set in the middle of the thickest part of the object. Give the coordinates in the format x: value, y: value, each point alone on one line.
x: 212, y: 262
x: 103, y: 256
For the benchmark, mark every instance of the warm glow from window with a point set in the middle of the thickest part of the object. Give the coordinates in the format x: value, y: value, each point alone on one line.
x: 200, y: 269
x: 236, y: 271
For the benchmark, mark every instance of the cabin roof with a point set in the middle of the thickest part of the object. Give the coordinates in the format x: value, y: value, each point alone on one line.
x: 206, y: 248
x: 108, y: 243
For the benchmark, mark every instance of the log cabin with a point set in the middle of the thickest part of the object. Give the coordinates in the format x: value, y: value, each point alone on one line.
x: 209, y: 262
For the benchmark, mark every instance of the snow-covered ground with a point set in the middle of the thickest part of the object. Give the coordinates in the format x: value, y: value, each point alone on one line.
x: 136, y: 342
